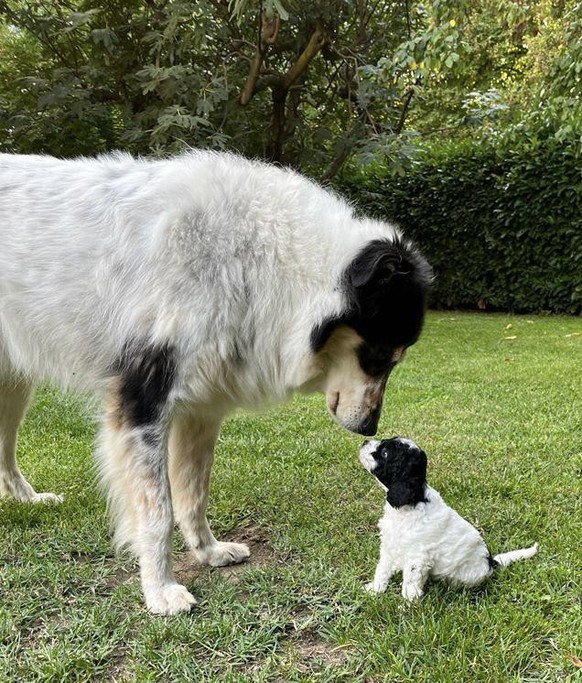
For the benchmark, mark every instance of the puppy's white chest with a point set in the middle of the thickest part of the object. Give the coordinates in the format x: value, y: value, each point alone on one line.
x: 406, y: 533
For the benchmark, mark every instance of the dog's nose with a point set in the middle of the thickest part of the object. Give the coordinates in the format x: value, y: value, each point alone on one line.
x: 369, y: 425
x: 366, y: 442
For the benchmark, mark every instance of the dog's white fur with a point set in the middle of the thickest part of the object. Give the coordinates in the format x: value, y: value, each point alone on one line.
x: 430, y: 539
x: 218, y: 257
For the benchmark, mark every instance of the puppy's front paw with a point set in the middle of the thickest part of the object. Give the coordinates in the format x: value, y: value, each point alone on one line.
x: 375, y: 587
x: 170, y: 598
x: 412, y: 592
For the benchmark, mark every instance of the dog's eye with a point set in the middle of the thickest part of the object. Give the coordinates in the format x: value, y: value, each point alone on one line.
x: 376, y: 361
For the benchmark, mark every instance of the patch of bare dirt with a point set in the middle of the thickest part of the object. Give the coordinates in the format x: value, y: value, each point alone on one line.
x: 120, y: 576
x: 313, y: 650
x: 309, y: 654
x: 186, y: 568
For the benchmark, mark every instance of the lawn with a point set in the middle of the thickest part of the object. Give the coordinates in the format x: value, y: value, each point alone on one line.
x: 495, y: 402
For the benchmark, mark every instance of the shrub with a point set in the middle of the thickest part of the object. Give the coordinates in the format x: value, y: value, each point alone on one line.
x: 500, y: 219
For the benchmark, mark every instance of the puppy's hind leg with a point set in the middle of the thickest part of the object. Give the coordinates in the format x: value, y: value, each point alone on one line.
x: 15, y: 395
x: 191, y: 449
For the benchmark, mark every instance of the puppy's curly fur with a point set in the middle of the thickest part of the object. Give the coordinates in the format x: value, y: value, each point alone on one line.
x: 421, y: 536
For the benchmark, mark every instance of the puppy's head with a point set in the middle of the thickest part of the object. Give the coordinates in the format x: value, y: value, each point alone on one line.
x: 399, y: 465
x: 385, y: 289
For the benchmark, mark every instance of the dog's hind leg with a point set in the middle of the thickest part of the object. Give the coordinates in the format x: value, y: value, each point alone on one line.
x: 133, y: 458
x: 15, y: 395
x: 191, y: 456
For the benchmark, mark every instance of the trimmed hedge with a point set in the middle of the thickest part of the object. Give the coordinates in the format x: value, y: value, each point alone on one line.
x: 502, y: 228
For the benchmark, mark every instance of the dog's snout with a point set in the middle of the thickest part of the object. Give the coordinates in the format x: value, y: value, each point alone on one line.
x: 358, y: 411
x: 366, y: 442
x: 367, y: 430
x: 369, y: 425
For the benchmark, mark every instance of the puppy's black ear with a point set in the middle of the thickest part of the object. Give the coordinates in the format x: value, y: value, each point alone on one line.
x: 420, y: 466
x: 407, y: 492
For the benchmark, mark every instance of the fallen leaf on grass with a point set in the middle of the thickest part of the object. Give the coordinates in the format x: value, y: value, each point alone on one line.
x: 513, y: 337
x: 576, y: 661
x: 508, y: 327
x: 574, y: 334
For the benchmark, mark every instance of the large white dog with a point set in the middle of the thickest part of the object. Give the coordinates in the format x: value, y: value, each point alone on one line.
x: 180, y: 289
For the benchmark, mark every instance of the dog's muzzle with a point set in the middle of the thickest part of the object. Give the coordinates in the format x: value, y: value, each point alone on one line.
x: 369, y: 425
x: 360, y: 416
x: 366, y: 426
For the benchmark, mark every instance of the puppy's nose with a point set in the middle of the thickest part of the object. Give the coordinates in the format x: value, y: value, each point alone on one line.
x: 366, y: 442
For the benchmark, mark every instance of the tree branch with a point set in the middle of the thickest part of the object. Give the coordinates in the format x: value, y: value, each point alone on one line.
x: 316, y: 42
x: 267, y: 35
x: 405, y: 107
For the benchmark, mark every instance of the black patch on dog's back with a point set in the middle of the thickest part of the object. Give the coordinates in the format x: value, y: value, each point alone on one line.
x: 146, y: 375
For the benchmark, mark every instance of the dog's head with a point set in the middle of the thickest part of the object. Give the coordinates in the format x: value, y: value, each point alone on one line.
x: 385, y: 290
x: 399, y: 465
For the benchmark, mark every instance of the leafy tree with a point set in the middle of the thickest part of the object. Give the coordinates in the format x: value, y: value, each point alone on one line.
x: 303, y: 83
x: 307, y: 83
x: 523, y: 62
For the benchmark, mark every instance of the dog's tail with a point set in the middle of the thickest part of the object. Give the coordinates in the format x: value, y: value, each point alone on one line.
x: 504, y: 559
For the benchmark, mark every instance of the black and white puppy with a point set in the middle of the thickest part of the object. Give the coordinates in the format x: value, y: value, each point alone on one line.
x: 421, y: 536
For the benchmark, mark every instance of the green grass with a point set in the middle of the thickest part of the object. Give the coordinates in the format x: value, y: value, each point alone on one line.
x: 500, y: 420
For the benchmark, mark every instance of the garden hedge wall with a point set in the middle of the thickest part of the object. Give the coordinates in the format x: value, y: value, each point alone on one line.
x: 501, y: 224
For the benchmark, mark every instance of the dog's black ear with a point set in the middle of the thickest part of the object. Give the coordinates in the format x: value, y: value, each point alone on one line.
x: 377, y: 263
x: 420, y: 464
x: 407, y: 492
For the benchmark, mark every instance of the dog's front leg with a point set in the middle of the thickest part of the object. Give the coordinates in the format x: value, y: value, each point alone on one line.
x: 191, y: 448
x: 15, y: 393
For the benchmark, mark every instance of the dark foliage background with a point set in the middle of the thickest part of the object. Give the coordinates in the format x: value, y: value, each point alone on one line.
x: 499, y: 219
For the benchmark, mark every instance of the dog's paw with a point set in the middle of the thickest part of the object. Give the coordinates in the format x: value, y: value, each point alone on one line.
x: 46, y: 498
x: 374, y: 587
x: 169, y: 599
x: 18, y: 488
x: 221, y: 553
